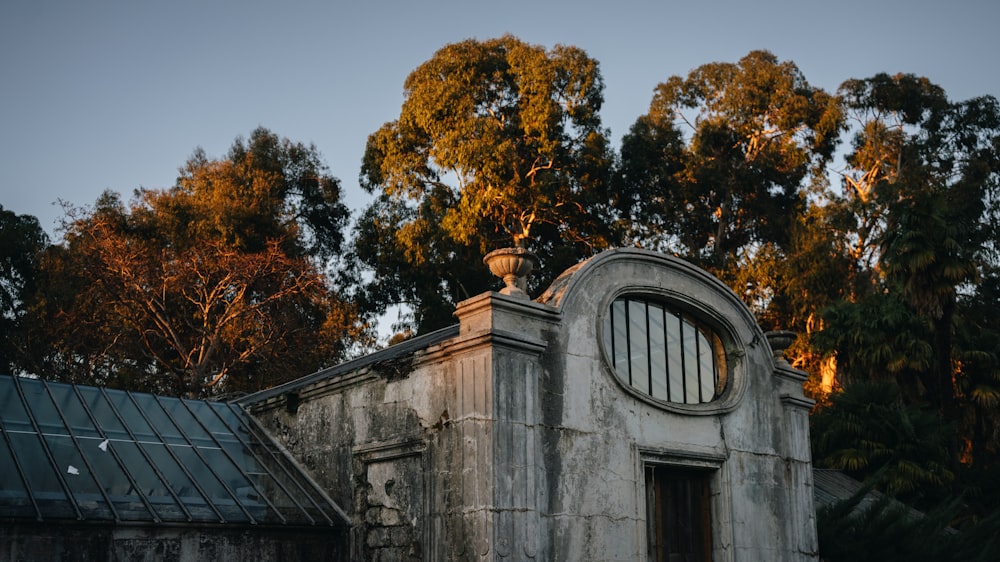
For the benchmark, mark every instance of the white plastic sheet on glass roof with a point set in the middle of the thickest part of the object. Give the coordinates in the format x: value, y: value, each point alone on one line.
x: 88, y: 453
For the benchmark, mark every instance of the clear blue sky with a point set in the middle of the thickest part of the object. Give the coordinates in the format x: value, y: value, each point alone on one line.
x: 99, y: 95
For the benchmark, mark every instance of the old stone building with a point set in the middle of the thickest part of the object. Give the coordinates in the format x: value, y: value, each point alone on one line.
x: 635, y: 411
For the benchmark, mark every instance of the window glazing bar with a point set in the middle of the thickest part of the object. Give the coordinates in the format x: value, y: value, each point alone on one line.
x: 666, y: 350
x: 715, y: 368
x: 684, y: 368
x: 231, y: 460
x: 211, y: 469
x: 114, y: 454
x: 649, y: 350
x: 284, y: 461
x: 149, y: 460
x: 628, y: 340
x: 256, y: 457
x: 20, y: 469
x: 697, y: 354
x: 611, y: 338
x: 173, y: 455
x: 79, y: 451
x: 48, y: 452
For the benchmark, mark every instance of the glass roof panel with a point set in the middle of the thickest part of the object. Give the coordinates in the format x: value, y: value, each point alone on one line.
x: 283, y: 470
x: 196, y: 463
x: 245, y: 451
x: 102, y: 411
x: 73, y: 411
x: 80, y: 480
x: 130, y: 415
x: 44, y: 483
x: 13, y: 416
x: 189, y: 493
x: 14, y: 495
x: 142, y: 485
x: 148, y: 407
x: 91, y: 453
x: 37, y: 398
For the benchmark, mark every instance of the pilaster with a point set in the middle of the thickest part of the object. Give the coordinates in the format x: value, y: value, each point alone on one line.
x: 495, y: 416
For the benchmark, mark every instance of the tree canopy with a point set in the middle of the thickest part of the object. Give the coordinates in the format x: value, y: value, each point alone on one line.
x: 498, y: 143
x: 716, y: 167
x: 211, y: 286
x: 22, y: 247
x: 922, y: 186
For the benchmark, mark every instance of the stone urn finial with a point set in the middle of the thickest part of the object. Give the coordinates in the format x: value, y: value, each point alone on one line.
x: 780, y: 340
x: 513, y: 266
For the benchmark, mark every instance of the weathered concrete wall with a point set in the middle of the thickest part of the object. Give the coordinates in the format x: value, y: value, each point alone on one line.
x: 516, y: 441
x: 367, y: 449
x: 753, y: 441
x: 431, y: 466
x: 104, y: 543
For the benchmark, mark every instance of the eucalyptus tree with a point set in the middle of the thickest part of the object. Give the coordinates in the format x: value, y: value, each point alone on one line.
x: 266, y: 188
x: 214, y: 285
x: 717, y: 167
x: 497, y: 143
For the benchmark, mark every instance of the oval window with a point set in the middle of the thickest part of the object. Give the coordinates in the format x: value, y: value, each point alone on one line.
x: 663, y: 353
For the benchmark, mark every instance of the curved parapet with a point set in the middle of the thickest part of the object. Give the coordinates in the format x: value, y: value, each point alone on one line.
x: 658, y: 377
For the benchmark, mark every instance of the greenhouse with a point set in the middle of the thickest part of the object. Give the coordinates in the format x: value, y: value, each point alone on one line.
x: 99, y: 456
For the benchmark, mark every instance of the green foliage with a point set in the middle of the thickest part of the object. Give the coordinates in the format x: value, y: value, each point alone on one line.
x: 813, y: 273
x: 869, y: 432
x: 428, y: 277
x: 23, y: 241
x: 498, y: 143
x: 922, y: 184
x: 267, y: 188
x: 877, y: 337
x: 717, y: 166
x: 977, y: 372
x: 885, y: 531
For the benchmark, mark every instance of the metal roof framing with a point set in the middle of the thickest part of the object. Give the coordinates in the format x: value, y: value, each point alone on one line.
x: 88, y: 453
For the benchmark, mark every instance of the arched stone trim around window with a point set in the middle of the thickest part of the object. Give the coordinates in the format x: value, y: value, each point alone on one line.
x: 669, y: 352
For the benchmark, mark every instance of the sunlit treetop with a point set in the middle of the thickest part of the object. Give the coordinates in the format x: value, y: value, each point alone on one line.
x: 501, y: 132
x: 721, y: 159
x: 267, y: 188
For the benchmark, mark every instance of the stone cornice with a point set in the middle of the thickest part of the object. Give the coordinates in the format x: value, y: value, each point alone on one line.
x: 318, y: 389
x: 505, y: 304
x: 797, y: 401
x: 789, y: 373
x: 497, y: 339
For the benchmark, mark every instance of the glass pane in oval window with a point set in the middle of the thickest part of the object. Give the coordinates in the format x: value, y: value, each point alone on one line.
x: 657, y: 352
x: 675, y: 355
x: 638, y: 347
x: 663, y: 353
x: 706, y: 368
